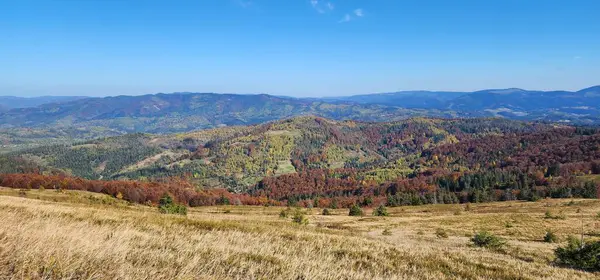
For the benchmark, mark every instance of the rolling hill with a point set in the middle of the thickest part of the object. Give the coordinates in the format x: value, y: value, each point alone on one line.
x: 238, y: 157
x: 315, y: 161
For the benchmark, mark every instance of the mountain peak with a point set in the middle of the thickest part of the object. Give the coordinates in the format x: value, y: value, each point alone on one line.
x: 504, y: 91
x: 593, y: 89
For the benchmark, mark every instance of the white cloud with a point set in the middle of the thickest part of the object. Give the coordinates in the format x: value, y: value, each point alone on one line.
x: 359, y: 13
x: 321, y: 7
x: 245, y: 3
x: 346, y: 18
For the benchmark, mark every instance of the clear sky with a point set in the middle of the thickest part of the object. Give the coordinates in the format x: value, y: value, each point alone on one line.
x: 295, y: 47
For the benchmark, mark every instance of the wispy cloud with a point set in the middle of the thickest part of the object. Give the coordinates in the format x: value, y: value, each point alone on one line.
x: 346, y: 18
x: 315, y: 5
x: 322, y: 7
x: 359, y: 13
x: 577, y: 58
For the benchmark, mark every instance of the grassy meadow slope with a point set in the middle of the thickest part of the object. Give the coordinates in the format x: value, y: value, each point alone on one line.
x: 75, y: 235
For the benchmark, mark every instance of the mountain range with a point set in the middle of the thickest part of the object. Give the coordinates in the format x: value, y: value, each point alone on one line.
x: 57, y: 119
x: 513, y: 102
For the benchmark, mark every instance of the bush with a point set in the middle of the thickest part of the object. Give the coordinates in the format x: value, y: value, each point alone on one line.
x: 167, y: 206
x: 299, y: 218
x: 468, y: 207
x: 326, y: 212
x: 560, y: 216
x: 22, y: 193
x: 284, y: 213
x: 381, y: 211
x: 441, y: 233
x: 584, y: 256
x: 550, y: 237
x: 355, y: 211
x: 488, y: 240
x: 334, y: 204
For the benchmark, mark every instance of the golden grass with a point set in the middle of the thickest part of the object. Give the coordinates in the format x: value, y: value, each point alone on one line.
x: 75, y: 235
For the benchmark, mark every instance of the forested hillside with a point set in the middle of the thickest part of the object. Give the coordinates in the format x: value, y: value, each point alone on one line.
x: 317, y: 160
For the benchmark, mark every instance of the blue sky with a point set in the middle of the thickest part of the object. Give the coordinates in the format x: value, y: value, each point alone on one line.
x: 295, y: 47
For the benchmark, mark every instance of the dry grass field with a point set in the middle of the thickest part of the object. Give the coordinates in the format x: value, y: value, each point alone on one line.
x: 78, y: 235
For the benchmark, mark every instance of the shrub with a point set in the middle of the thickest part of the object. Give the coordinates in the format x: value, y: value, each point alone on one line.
x: 299, y: 218
x: 575, y: 254
x: 488, y: 240
x: 355, y: 210
x: 550, y: 237
x: 309, y: 204
x: 326, y: 212
x: 223, y: 200
x: 334, y: 204
x: 441, y: 233
x: 468, y: 207
x: 381, y: 211
x: 560, y: 216
x: 367, y: 201
x: 284, y: 213
x: 167, y: 206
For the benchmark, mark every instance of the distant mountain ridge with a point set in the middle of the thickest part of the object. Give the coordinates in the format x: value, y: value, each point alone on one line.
x: 11, y: 102
x: 482, y: 99
x: 185, y: 111
x: 179, y: 112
